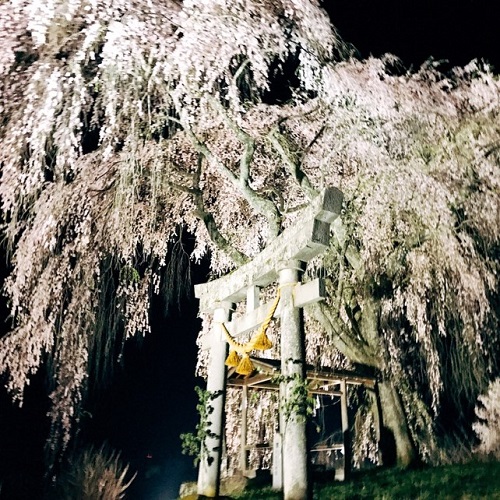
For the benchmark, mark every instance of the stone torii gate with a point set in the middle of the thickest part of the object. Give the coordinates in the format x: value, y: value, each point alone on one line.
x: 281, y: 260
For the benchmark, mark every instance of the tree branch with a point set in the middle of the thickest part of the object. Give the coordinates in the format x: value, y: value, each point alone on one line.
x: 208, y: 220
x: 215, y: 235
x: 313, y: 142
x: 258, y: 203
x: 351, y: 347
x: 277, y: 139
x: 340, y: 281
x: 184, y: 189
x: 351, y: 252
x: 246, y: 139
x: 213, y: 231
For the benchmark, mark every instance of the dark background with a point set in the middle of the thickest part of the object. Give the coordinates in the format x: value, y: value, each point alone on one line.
x: 151, y: 400
x: 415, y: 30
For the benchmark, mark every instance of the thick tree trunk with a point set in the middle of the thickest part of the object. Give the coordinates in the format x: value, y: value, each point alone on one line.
x: 396, y: 444
x: 395, y: 441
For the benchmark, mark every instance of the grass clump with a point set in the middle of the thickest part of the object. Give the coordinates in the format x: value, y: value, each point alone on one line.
x: 93, y: 474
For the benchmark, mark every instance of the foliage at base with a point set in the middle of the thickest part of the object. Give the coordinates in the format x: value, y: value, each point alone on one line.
x: 93, y: 474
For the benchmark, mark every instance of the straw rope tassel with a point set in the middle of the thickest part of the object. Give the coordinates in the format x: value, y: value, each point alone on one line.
x: 238, y: 354
x: 261, y: 341
x: 233, y: 359
x: 245, y: 366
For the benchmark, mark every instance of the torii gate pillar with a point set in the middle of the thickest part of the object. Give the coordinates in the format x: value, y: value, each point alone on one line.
x: 210, y: 460
x: 292, y: 423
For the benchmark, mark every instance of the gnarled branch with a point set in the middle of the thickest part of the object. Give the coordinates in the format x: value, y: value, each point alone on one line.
x: 278, y: 140
x: 347, y: 344
x: 207, y: 218
x: 257, y: 202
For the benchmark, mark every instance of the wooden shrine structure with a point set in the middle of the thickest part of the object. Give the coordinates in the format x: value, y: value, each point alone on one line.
x: 326, y: 382
x: 283, y: 260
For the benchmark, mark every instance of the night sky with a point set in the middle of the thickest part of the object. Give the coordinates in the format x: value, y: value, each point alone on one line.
x: 151, y: 399
x: 415, y: 30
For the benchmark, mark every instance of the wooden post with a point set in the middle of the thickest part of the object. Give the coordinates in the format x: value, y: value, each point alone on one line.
x: 345, y: 430
x: 277, y: 462
x: 253, y: 299
x: 209, y: 470
x: 243, y: 435
x: 295, y: 460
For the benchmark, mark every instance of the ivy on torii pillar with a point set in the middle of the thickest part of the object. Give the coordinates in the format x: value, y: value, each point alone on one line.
x: 281, y: 260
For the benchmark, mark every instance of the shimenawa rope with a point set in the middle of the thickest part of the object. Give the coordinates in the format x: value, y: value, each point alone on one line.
x: 238, y: 354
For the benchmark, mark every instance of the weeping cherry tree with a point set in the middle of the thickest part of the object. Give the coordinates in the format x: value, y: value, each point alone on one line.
x: 124, y: 121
